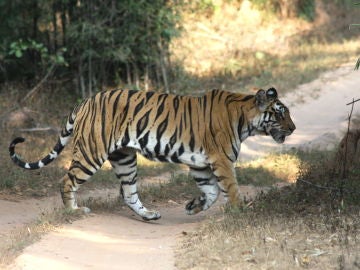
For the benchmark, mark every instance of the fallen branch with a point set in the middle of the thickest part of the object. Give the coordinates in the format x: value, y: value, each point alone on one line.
x: 39, y: 129
x: 340, y: 190
x: 352, y: 102
x: 37, y: 87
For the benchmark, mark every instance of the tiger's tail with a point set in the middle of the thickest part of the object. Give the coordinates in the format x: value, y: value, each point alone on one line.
x: 54, y: 153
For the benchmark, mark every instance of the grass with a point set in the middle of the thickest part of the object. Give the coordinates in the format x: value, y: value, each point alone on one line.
x: 248, y: 240
x: 252, y: 48
x: 304, y: 63
x: 269, y: 170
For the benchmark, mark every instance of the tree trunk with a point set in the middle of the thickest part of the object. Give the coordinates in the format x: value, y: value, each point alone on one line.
x: 81, y: 80
x: 146, y: 78
x: 163, y: 67
x: 89, y: 76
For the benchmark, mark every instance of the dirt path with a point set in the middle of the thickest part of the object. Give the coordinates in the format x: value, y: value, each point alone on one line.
x: 122, y: 241
x: 110, y: 241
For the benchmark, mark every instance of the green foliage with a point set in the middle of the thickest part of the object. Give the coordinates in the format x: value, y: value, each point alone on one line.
x: 97, y: 42
x: 306, y: 9
x: 296, y: 8
x: 20, y: 47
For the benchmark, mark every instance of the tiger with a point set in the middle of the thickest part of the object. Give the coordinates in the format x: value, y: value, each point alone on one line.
x: 203, y: 132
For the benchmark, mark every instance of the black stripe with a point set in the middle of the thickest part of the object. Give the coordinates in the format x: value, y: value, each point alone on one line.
x: 162, y: 127
x: 132, y: 182
x: 192, y: 139
x: 85, y: 156
x: 204, y: 99
x: 142, y: 123
x: 126, y: 139
x: 46, y: 160
x: 58, y: 147
x: 173, y: 139
x: 144, y: 140
x: 180, y: 127
x: 162, y: 158
x: 221, y: 93
x: 174, y: 158
x: 119, y: 175
x: 200, y: 179
x: 115, y: 104
x: 77, y: 164
x: 161, y: 107
x: 65, y: 132
x: 176, y: 104
x: 116, y: 156
x: 128, y: 162
x: 213, y: 93
x: 149, y: 95
x: 235, y: 151
x: 240, y: 124
x: 79, y: 181
x: 103, y: 121
x: 246, y: 98
x: 157, y: 149
x: 112, y: 92
x: 138, y: 107
x: 181, y: 150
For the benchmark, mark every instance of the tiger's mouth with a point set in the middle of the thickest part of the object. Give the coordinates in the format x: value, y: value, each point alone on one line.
x: 278, y: 136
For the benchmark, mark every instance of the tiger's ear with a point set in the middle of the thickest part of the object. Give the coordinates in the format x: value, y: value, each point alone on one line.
x: 271, y: 93
x: 261, y: 99
x: 264, y: 98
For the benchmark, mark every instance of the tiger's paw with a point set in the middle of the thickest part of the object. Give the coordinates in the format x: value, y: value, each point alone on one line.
x: 195, y: 206
x: 151, y: 215
x: 79, y: 210
x: 84, y: 210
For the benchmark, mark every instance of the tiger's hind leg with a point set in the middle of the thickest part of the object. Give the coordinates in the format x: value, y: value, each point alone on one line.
x: 69, y: 185
x: 81, y: 169
x: 207, y: 183
x: 125, y: 167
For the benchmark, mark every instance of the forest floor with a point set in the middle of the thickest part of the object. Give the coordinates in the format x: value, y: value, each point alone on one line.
x: 121, y: 240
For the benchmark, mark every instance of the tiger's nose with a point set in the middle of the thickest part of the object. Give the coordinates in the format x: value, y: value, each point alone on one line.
x: 292, y: 128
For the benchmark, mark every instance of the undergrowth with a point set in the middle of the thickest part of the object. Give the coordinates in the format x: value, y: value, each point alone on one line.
x: 312, y: 224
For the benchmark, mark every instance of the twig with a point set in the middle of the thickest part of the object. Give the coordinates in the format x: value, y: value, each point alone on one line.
x: 357, y: 65
x: 328, y: 188
x: 346, y: 143
x: 318, y: 186
x: 39, y: 129
x: 352, y: 102
x: 36, y: 88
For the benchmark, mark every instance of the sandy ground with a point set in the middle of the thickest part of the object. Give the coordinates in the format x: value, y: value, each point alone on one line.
x: 123, y: 241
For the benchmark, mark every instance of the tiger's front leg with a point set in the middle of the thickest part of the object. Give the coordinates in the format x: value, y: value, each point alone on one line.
x: 224, y: 170
x: 207, y: 183
x: 125, y: 167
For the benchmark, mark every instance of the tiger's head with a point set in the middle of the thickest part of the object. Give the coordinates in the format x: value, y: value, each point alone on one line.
x: 275, y: 117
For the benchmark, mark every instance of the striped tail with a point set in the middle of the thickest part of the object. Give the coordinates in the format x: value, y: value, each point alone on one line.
x: 55, y: 152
